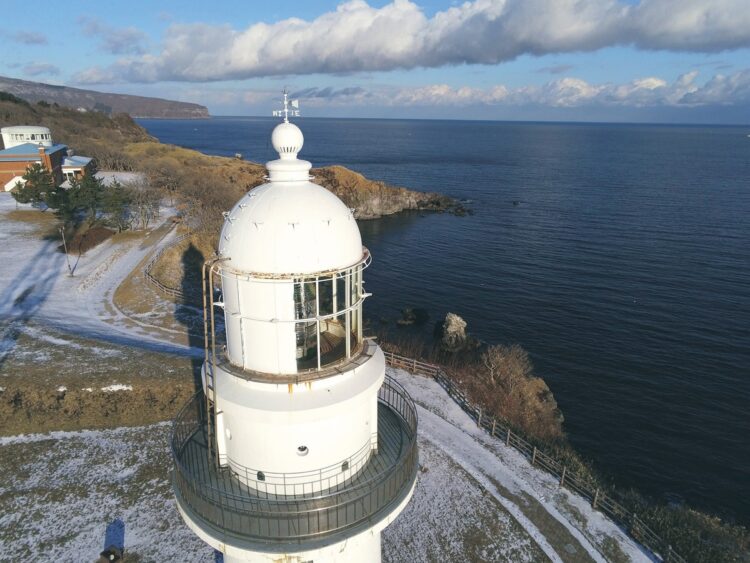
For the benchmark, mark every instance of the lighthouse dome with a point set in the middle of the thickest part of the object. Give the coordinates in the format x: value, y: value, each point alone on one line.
x: 290, y: 228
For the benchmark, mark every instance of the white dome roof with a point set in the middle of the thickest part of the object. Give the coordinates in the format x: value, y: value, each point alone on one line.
x: 290, y: 225
x: 290, y: 228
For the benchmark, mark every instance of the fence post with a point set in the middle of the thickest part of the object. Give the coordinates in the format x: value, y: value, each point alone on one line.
x: 562, y: 477
x: 533, y: 457
x: 494, y: 423
x: 479, y: 418
x: 595, y: 500
x: 668, y: 558
x: 414, y: 369
x: 634, y: 526
x: 507, y: 437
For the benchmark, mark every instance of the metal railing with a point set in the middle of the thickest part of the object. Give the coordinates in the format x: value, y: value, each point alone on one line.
x: 234, y: 510
x: 600, y: 500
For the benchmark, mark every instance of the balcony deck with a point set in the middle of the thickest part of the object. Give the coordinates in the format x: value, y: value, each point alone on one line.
x: 218, y: 500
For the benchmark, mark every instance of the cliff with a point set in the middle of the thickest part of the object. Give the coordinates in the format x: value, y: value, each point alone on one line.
x: 109, y: 104
x: 207, y: 184
x: 372, y: 199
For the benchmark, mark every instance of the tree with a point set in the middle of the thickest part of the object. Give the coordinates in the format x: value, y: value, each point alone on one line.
x: 86, y: 196
x: 507, y: 366
x: 116, y: 203
x: 38, y: 183
x: 145, y: 203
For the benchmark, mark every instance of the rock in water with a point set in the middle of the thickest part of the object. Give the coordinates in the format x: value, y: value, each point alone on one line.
x: 454, y: 332
x: 411, y: 316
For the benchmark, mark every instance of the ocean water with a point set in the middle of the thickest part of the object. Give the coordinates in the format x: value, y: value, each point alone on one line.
x: 618, y: 255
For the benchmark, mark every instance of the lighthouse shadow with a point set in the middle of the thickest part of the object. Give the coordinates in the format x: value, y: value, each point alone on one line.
x: 189, y: 309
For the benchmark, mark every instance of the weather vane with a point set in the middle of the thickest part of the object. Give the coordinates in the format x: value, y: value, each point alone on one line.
x: 291, y: 107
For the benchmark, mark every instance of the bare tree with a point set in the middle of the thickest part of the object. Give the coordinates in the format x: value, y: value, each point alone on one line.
x: 507, y: 366
x: 145, y: 203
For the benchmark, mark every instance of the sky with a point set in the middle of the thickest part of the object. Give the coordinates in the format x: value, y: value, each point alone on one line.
x: 573, y: 60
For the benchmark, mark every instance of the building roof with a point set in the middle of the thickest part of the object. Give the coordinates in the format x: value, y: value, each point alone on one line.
x: 13, y: 181
x: 76, y: 161
x: 26, y: 150
x: 25, y: 129
x: 109, y: 177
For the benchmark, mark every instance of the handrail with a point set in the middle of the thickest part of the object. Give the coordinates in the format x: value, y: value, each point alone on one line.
x: 250, y: 514
x: 600, y: 500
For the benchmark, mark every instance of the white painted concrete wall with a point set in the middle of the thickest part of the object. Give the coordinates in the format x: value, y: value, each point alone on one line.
x: 334, y: 418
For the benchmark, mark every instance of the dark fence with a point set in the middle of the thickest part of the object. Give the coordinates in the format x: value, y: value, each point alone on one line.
x: 238, y: 511
x: 599, y: 499
x: 165, y: 289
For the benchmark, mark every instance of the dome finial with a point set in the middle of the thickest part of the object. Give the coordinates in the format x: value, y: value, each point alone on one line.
x: 294, y: 111
x: 287, y: 138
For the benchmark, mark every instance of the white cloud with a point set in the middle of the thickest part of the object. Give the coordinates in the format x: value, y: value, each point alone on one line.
x: 38, y: 69
x: 564, y: 92
x: 29, y: 38
x: 357, y: 37
x: 117, y: 41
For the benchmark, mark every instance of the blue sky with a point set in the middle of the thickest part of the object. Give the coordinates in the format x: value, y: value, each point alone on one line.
x: 604, y: 60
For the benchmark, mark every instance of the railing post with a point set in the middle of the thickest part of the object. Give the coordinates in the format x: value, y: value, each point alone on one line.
x: 507, y: 437
x: 494, y: 423
x: 562, y: 477
x: 595, y: 500
x: 533, y: 456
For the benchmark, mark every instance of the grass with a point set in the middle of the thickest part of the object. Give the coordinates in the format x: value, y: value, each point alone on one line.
x: 31, y: 399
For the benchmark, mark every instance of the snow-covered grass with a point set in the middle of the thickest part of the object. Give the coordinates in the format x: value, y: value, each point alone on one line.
x: 558, y: 519
x: 474, y: 501
x: 35, y: 285
x: 60, y: 490
x: 65, y: 487
x: 40, y: 355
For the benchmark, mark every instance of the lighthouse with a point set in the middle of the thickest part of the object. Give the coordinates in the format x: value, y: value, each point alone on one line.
x: 298, y: 448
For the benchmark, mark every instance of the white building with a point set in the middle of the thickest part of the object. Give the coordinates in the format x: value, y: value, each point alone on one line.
x: 22, y: 134
x: 299, y: 449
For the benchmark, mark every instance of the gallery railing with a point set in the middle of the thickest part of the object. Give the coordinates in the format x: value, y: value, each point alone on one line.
x: 233, y: 510
x: 599, y: 499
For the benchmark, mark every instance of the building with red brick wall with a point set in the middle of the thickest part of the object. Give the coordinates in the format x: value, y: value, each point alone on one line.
x: 16, y: 160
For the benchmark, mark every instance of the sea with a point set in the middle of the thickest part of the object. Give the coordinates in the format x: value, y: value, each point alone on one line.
x: 618, y: 255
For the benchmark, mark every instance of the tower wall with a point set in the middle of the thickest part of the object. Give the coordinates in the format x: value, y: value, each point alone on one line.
x: 334, y: 420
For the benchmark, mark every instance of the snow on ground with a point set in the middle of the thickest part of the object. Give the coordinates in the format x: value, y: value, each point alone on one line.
x: 472, y: 501
x: 63, y: 488
x: 35, y: 285
x: 60, y: 490
x: 509, y: 477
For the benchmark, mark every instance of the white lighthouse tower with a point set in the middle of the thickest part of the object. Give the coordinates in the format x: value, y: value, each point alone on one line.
x: 299, y: 449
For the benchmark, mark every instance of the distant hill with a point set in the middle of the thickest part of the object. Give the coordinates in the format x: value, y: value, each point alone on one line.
x: 135, y: 106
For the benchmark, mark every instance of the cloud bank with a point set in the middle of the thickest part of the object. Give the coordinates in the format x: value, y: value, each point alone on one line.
x: 358, y: 37
x: 29, y: 38
x: 117, y: 41
x: 39, y: 69
x: 568, y: 92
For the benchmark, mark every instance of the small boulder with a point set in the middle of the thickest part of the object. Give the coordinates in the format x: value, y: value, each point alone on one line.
x: 454, y: 332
